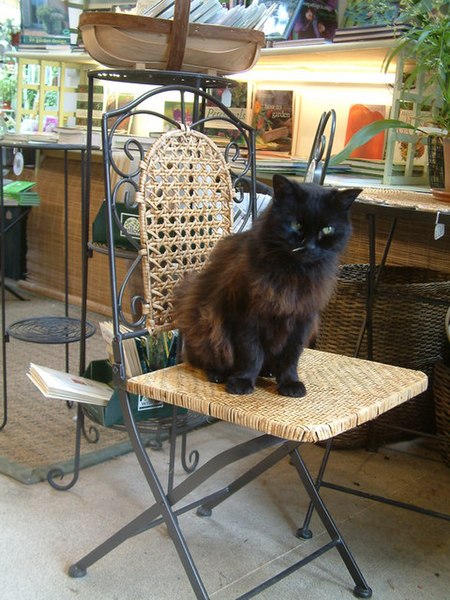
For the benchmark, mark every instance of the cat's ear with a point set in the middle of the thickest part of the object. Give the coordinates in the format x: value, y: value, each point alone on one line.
x: 282, y: 187
x: 347, y: 196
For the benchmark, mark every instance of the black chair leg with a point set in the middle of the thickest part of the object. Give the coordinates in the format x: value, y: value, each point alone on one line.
x: 162, y: 507
x: 361, y: 589
x: 304, y: 531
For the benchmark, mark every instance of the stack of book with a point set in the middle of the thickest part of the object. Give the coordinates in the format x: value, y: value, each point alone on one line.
x: 369, y: 32
x: 20, y: 193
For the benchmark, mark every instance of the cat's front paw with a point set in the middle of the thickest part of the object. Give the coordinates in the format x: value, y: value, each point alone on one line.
x: 295, y: 389
x: 239, y: 385
x: 215, y: 377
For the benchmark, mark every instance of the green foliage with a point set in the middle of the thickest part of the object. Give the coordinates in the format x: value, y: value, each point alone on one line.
x: 427, y: 42
x: 365, y: 134
x: 370, y: 12
x: 7, y: 30
x: 8, y: 83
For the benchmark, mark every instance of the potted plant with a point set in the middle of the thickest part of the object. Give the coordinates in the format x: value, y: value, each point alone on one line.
x: 9, y: 32
x: 427, y: 43
x: 8, y: 85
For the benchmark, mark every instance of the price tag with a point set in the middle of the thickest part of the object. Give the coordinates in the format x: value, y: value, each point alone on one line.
x: 18, y: 162
x: 439, y: 228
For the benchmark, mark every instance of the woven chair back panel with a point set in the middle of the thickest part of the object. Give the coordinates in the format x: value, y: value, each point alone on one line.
x: 185, y: 206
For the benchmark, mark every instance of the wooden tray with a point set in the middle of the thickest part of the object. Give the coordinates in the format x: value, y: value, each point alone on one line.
x: 122, y: 40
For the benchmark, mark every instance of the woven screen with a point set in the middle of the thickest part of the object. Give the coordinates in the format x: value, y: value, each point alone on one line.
x: 185, y: 205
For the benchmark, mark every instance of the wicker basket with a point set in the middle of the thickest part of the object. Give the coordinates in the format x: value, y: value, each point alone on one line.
x: 122, y: 40
x: 441, y: 389
x: 408, y: 330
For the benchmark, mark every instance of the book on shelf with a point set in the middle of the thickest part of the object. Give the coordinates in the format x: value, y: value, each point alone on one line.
x: 410, y: 142
x: 300, y: 42
x: 281, y: 19
x: 375, y: 167
x: 316, y: 19
x: 77, y: 136
x: 237, y: 99
x: 273, y: 120
x: 369, y: 32
x: 59, y: 385
x: 82, y: 105
x: 45, y: 24
x: 19, y: 193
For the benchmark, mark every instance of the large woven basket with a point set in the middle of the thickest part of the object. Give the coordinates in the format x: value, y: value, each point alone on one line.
x: 441, y: 390
x: 408, y: 330
x: 123, y: 40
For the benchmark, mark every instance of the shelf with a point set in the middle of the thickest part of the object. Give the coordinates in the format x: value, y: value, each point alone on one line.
x: 375, y: 48
x: 78, y: 57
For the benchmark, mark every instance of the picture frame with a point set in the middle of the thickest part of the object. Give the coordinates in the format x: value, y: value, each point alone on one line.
x: 279, y: 25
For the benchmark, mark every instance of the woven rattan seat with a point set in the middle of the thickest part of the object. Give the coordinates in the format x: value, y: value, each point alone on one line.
x: 342, y: 393
x: 185, y: 200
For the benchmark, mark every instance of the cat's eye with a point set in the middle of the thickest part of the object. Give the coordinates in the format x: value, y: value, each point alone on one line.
x: 296, y: 226
x: 329, y: 230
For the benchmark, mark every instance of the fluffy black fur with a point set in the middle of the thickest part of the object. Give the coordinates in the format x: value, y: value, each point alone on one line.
x: 256, y: 303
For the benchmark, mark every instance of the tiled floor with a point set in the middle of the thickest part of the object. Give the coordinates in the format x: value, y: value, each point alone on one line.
x: 403, y: 555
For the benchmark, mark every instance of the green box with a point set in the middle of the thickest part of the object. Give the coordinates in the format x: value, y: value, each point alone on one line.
x: 129, y: 218
x: 111, y: 414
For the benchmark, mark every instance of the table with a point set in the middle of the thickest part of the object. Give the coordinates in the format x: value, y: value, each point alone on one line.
x: 40, y: 330
x: 394, y: 203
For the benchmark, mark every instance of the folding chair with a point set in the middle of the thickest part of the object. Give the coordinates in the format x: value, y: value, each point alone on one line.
x: 185, y: 197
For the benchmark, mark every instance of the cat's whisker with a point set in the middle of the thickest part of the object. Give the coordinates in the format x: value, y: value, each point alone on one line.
x: 298, y: 249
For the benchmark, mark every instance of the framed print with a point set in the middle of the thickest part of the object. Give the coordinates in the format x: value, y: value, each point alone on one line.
x: 279, y: 25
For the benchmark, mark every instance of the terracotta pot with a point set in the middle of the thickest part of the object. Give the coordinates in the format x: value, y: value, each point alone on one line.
x: 446, y: 143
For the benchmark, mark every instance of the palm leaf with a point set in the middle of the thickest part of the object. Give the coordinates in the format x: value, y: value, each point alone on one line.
x: 366, y: 133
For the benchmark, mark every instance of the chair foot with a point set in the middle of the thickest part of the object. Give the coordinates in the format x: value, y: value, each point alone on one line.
x: 361, y: 592
x: 202, y: 511
x: 76, y: 571
x: 304, y: 533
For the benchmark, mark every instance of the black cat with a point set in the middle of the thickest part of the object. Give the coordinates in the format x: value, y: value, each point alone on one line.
x: 255, y: 305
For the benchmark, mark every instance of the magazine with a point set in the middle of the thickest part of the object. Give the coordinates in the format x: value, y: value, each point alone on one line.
x: 58, y: 385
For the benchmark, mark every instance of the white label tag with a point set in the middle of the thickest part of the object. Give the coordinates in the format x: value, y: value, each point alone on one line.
x: 439, y: 228
x: 145, y: 403
x: 439, y: 231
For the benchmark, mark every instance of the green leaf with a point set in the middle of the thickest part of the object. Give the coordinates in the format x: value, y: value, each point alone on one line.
x: 365, y: 134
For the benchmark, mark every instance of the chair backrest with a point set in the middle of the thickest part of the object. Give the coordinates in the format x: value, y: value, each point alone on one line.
x: 185, y: 206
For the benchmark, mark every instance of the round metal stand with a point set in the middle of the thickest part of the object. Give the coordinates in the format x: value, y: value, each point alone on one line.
x: 50, y: 330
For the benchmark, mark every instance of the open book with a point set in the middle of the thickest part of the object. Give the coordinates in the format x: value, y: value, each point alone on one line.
x: 59, y: 385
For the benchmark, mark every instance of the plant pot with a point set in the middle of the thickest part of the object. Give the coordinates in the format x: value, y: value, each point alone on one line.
x: 435, y: 162
x: 446, y: 146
